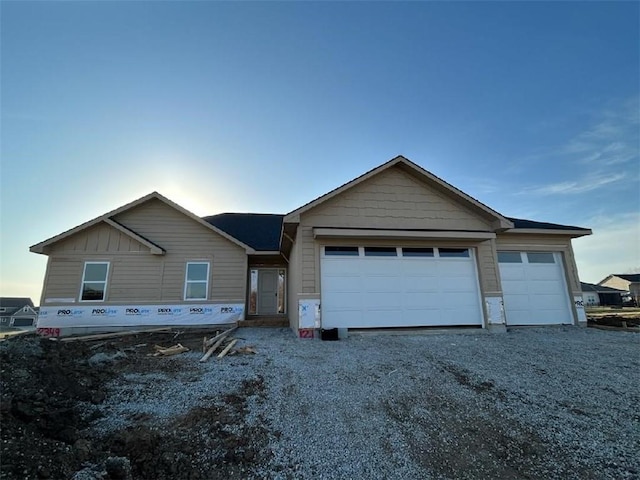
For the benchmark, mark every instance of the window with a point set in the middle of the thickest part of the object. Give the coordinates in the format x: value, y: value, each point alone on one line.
x: 196, y: 283
x: 540, y: 257
x: 94, y: 281
x: 453, y: 252
x: 509, y: 257
x: 380, y: 252
x: 417, y: 252
x: 347, y: 251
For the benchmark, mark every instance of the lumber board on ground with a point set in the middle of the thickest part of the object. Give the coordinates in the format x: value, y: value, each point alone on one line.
x: 100, y: 336
x: 212, y: 349
x: 227, y: 348
x: 213, y: 340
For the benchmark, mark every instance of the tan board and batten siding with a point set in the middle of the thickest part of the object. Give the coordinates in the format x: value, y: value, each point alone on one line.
x: 135, y: 275
x: 391, y: 199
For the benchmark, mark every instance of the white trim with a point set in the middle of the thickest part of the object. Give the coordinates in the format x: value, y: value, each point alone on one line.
x: 187, y: 281
x: 106, y: 280
x: 399, y: 234
x: 550, y: 231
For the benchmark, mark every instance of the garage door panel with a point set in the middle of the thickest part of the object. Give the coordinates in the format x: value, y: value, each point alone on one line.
x: 378, y: 300
x: 459, y: 315
x: 419, y: 267
x: 542, y: 272
x: 535, y: 293
x: 343, y: 300
x: 419, y: 284
x: 549, y: 287
x: 515, y: 287
x: 429, y: 300
x: 399, y: 291
x: 454, y: 268
x: 386, y: 283
x: 340, y: 284
x: 512, y: 272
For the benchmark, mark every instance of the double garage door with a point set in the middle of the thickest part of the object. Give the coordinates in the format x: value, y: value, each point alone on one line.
x: 534, y: 288
x: 364, y: 287
x: 375, y: 287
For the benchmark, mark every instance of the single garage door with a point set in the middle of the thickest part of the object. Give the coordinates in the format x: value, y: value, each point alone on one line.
x: 373, y: 287
x: 534, y: 288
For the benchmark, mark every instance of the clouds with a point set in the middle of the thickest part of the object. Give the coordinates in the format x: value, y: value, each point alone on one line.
x: 605, y: 154
x: 614, y: 246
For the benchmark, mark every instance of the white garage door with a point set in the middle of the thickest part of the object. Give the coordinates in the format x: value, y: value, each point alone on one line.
x: 534, y: 288
x: 399, y: 287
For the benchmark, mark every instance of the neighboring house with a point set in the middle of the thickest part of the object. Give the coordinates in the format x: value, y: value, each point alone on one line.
x: 395, y: 247
x: 17, y: 312
x: 601, y: 296
x: 624, y: 281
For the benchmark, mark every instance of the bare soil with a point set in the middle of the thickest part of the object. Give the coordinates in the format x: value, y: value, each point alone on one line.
x: 44, y: 432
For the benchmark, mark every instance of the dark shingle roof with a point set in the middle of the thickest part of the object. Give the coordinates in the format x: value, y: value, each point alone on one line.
x: 522, y: 223
x: 15, y: 302
x: 261, y: 231
x: 590, y: 287
x: 629, y: 277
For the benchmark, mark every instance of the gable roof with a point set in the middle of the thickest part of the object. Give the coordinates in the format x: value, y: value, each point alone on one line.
x: 12, y: 304
x: 261, y: 231
x: 590, y: 287
x: 418, y: 171
x: 15, y: 302
x: 39, y: 247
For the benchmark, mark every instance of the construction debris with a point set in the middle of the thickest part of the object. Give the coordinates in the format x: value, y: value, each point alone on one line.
x: 174, y: 350
x: 100, y: 336
x: 213, y: 340
x: 227, y: 348
x: 247, y: 349
x: 214, y: 343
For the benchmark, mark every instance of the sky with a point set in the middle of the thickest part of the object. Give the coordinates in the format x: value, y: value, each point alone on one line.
x: 533, y: 108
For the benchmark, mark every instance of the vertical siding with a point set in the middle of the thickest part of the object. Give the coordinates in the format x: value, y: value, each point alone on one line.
x: 100, y: 238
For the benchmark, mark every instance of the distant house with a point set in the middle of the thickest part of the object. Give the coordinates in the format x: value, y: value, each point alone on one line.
x: 601, y: 296
x: 629, y: 282
x: 17, y: 312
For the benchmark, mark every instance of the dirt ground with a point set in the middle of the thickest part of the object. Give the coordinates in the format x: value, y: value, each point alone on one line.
x: 44, y: 432
x: 459, y: 406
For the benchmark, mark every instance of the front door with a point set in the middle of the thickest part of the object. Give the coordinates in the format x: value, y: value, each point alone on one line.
x: 267, y: 292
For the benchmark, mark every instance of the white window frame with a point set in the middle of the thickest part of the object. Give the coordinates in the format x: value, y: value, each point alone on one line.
x: 106, y: 281
x: 187, y: 281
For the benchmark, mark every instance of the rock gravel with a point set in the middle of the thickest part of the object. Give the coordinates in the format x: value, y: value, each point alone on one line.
x: 555, y: 402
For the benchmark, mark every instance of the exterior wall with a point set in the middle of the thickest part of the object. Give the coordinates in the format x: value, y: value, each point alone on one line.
x: 135, y: 275
x: 293, y: 283
x: 591, y: 299
x: 394, y: 199
x: 617, y: 282
x: 101, y: 238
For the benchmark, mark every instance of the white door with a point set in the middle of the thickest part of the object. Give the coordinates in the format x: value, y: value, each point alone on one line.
x: 534, y: 288
x: 377, y: 287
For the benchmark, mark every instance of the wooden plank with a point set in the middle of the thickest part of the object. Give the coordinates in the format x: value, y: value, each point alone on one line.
x: 213, y: 340
x: 227, y: 348
x: 206, y: 356
x: 100, y: 336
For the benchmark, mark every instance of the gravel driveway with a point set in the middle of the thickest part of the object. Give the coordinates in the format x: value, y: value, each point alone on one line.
x: 533, y: 403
